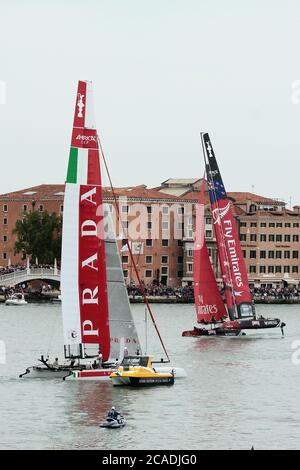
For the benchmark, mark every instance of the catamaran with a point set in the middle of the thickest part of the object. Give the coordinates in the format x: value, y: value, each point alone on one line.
x: 97, y: 320
x: 235, y: 311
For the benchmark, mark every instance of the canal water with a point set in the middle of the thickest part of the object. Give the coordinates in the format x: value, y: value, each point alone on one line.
x: 238, y: 392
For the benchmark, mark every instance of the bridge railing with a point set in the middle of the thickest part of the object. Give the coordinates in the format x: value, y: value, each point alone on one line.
x: 29, y: 273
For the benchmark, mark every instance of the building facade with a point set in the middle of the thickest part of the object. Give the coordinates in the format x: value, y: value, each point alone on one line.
x: 159, y: 225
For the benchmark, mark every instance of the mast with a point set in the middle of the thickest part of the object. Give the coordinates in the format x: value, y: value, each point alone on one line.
x: 208, y: 301
x: 237, y: 292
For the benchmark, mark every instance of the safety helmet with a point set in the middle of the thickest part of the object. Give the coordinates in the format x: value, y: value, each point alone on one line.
x: 113, y: 408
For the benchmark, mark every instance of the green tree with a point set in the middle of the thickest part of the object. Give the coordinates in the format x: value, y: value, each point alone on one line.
x: 39, y: 236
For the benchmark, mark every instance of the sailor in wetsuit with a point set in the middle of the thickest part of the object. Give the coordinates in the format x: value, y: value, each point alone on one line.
x: 113, y: 413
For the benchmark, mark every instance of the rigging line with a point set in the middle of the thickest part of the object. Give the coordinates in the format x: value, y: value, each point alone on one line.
x: 130, y: 252
x: 221, y: 228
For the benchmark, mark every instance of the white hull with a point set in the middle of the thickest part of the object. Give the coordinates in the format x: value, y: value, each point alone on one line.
x: 179, y: 372
x: 16, y: 302
x: 37, y: 372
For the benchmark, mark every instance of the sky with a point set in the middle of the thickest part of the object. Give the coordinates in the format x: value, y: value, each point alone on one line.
x: 163, y: 71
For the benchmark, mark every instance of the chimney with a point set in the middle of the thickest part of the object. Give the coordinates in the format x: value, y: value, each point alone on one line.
x: 296, y: 209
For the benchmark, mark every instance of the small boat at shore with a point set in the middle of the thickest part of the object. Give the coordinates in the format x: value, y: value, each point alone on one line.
x: 138, y: 371
x: 16, y: 300
x: 230, y: 314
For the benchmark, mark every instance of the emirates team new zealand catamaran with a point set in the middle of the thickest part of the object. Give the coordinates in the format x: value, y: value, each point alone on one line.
x: 236, y: 312
x: 97, y: 319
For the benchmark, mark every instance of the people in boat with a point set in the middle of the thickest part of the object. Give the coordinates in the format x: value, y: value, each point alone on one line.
x: 113, y: 413
x: 125, y: 352
x: 100, y: 359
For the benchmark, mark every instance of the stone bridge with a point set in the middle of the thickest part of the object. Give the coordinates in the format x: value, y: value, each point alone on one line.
x: 29, y: 274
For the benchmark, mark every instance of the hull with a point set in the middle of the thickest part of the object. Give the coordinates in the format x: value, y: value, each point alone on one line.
x: 142, y: 381
x: 37, y: 372
x: 196, y: 332
x: 179, y: 372
x: 260, y: 323
x: 16, y: 303
x: 113, y: 424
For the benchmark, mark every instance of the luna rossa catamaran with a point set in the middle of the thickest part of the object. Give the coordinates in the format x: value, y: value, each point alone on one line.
x: 97, y: 321
x: 234, y: 311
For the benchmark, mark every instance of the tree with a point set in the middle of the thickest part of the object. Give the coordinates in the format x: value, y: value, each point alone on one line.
x: 39, y: 236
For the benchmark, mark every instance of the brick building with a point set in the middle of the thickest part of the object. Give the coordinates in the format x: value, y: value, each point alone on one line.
x: 160, y: 221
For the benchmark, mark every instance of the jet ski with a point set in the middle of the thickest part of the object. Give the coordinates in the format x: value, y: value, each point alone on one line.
x: 114, y: 423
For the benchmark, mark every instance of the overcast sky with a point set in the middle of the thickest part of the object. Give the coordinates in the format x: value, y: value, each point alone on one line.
x: 163, y: 70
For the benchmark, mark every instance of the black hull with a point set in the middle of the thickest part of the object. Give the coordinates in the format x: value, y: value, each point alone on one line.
x: 260, y: 323
x: 212, y: 332
x: 150, y: 381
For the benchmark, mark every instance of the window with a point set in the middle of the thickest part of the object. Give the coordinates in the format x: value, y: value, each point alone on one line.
x: 252, y: 254
x: 263, y: 237
x: 296, y: 225
x: 278, y: 269
x: 294, y: 269
x: 164, y: 259
x: 208, y: 221
x: 5, y: 238
x: 149, y: 242
x: 271, y: 238
x: 165, y: 210
x: 61, y: 208
x: 263, y: 224
x: 125, y: 272
x: 242, y: 237
x: 271, y: 254
x: 4, y: 255
x: 149, y: 209
x: 287, y: 224
x: 244, y: 253
x: 190, y: 267
x: 125, y: 209
x: 263, y: 254
x: 165, y: 225
x: 165, y: 242
x: 287, y: 238
x: 270, y: 269
x: 286, y: 269
x: 278, y: 254
x: 208, y: 233
x: 149, y: 225
x: 124, y: 259
x: 41, y: 208
x: 271, y: 224
x: 279, y: 224
x: 149, y: 259
x: 25, y: 208
x: 252, y: 269
x: 180, y: 210
x: 279, y: 238
x: 253, y: 224
x: 295, y: 254
x: 209, y: 251
x: 164, y: 270
x: 5, y: 208
x: 252, y: 208
x: 190, y: 253
x: 180, y: 242
x: 252, y: 238
x: 287, y: 254
x: 5, y: 221
x: 125, y: 223
x: 180, y: 225
x: 180, y: 259
x: 262, y: 269
x: 148, y: 273
x: 243, y: 224
x: 180, y: 274
x: 295, y: 238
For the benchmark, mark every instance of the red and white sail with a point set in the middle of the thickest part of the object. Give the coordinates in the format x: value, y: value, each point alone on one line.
x: 237, y: 292
x: 208, y: 301
x: 85, y: 294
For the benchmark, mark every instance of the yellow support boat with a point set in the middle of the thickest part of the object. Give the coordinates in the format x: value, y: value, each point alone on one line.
x: 138, y: 371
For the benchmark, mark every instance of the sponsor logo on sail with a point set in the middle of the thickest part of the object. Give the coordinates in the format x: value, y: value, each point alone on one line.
x: 86, y: 138
x: 80, y: 105
x: 218, y: 213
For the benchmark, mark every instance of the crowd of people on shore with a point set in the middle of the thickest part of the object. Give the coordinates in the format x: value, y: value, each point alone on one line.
x: 276, y: 293
x: 160, y: 290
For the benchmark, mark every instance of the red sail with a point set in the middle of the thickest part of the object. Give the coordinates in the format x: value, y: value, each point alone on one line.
x: 208, y: 301
x: 237, y: 292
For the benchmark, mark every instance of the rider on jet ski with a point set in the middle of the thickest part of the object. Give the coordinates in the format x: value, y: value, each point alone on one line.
x: 113, y: 413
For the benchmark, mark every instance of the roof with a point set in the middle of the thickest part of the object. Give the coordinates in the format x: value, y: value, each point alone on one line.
x: 180, y: 181
x: 243, y: 197
x: 43, y: 191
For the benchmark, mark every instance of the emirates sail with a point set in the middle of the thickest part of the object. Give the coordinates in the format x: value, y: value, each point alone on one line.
x: 96, y: 311
x: 233, y: 268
